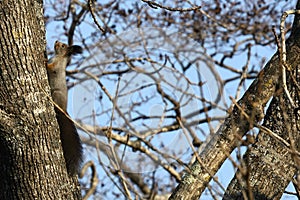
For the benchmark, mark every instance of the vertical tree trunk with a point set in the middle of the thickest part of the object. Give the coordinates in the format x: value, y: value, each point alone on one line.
x: 31, y: 160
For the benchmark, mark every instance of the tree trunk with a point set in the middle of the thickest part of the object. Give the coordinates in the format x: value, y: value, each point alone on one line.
x: 32, y: 165
x: 268, y: 166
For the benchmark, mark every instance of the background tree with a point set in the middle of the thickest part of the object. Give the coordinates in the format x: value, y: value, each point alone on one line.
x: 155, y: 83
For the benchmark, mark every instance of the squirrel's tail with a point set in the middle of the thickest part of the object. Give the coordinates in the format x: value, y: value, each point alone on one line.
x: 71, y: 143
x: 73, y: 50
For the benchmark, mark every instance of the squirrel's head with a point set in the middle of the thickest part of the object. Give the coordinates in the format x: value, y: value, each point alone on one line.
x: 60, y: 48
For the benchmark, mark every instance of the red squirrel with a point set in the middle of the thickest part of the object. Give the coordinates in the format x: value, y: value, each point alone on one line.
x: 56, y: 69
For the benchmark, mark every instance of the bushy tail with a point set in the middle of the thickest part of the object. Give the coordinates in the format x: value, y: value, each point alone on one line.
x: 73, y: 50
x: 71, y: 143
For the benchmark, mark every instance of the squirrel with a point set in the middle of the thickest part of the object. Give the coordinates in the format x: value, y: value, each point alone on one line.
x: 56, y: 70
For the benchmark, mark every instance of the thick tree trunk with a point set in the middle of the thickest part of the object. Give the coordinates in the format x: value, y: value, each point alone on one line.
x: 32, y: 165
x: 269, y: 165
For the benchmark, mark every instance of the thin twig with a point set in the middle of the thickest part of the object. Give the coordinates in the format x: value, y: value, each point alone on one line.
x: 283, y: 52
x: 154, y: 5
x: 90, y: 5
x: 94, y: 180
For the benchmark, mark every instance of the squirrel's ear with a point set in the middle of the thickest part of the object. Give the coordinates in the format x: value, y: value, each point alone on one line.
x: 75, y: 49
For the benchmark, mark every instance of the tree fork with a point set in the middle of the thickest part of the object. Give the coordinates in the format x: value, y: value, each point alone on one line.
x: 226, y: 139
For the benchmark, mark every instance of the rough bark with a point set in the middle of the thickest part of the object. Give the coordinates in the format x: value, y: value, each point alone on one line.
x: 226, y: 139
x: 31, y: 161
x: 269, y: 166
